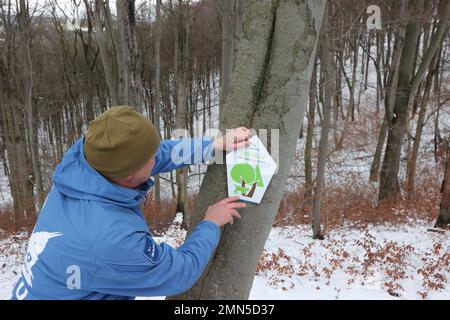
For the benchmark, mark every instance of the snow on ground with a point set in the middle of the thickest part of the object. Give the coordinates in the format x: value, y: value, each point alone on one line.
x: 354, y: 264
x: 380, y: 262
x: 5, y: 194
x: 12, y: 250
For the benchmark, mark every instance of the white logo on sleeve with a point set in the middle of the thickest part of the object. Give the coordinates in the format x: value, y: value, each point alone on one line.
x: 151, y: 250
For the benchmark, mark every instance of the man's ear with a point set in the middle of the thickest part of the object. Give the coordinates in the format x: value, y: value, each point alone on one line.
x: 129, y: 178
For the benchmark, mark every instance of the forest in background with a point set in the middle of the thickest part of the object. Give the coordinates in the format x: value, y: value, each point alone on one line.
x: 58, y: 71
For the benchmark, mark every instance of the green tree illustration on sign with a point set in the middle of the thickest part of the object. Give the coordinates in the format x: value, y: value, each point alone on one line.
x: 247, y: 177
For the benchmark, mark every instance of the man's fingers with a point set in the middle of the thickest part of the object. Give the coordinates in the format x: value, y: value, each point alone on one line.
x: 234, y: 205
x: 234, y: 213
x: 241, y: 131
x: 231, y: 199
x: 239, y: 138
x: 242, y: 144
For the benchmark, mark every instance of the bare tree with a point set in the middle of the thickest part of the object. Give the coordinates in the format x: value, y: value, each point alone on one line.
x: 307, y: 204
x: 157, y: 117
x: 444, y: 211
x: 109, y: 49
x: 128, y: 54
x: 327, y: 69
x: 13, y: 110
x: 181, y: 62
x: 412, y: 157
x: 27, y: 75
x: 407, y: 86
x: 390, y: 91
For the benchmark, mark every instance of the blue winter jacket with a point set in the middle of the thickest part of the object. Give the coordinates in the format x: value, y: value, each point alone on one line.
x: 91, y: 240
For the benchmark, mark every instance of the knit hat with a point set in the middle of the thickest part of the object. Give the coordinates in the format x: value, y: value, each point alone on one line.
x: 120, y: 141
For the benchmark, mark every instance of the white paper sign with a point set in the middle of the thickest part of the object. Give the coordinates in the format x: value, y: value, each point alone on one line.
x: 249, y: 171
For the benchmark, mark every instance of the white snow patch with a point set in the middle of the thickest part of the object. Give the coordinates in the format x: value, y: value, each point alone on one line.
x: 346, y: 265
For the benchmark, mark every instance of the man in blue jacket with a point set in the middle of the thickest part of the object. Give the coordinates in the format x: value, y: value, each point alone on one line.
x: 91, y: 240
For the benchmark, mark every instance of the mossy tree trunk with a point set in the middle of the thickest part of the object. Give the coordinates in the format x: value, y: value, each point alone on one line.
x: 269, y: 90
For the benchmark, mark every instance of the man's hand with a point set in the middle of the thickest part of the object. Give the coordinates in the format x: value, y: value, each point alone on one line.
x: 223, y: 211
x: 234, y: 139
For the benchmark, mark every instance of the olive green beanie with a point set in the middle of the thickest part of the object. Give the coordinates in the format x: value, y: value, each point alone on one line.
x: 120, y: 141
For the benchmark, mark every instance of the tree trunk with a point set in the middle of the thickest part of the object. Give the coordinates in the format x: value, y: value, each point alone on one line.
x: 397, y: 124
x: 157, y: 81
x: 391, y: 88
x: 444, y: 211
x: 239, y: 8
x: 269, y: 89
x: 412, y: 159
x: 327, y: 68
x: 227, y: 49
x: 307, y: 205
x: 14, y: 120
x: 181, y: 56
x: 109, y: 51
x: 408, y: 83
x: 28, y: 81
x: 129, y: 54
x: 375, y: 167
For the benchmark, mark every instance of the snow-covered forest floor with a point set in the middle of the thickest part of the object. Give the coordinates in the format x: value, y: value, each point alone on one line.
x: 379, y: 262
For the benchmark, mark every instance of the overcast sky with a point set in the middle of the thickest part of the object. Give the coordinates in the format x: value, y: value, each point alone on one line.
x: 69, y: 8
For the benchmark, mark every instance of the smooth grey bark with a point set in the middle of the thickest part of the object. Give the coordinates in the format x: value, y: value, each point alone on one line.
x: 239, y: 8
x: 269, y: 90
x: 227, y: 49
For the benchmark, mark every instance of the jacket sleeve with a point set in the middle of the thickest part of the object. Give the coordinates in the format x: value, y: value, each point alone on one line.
x: 174, y: 154
x: 143, y: 268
